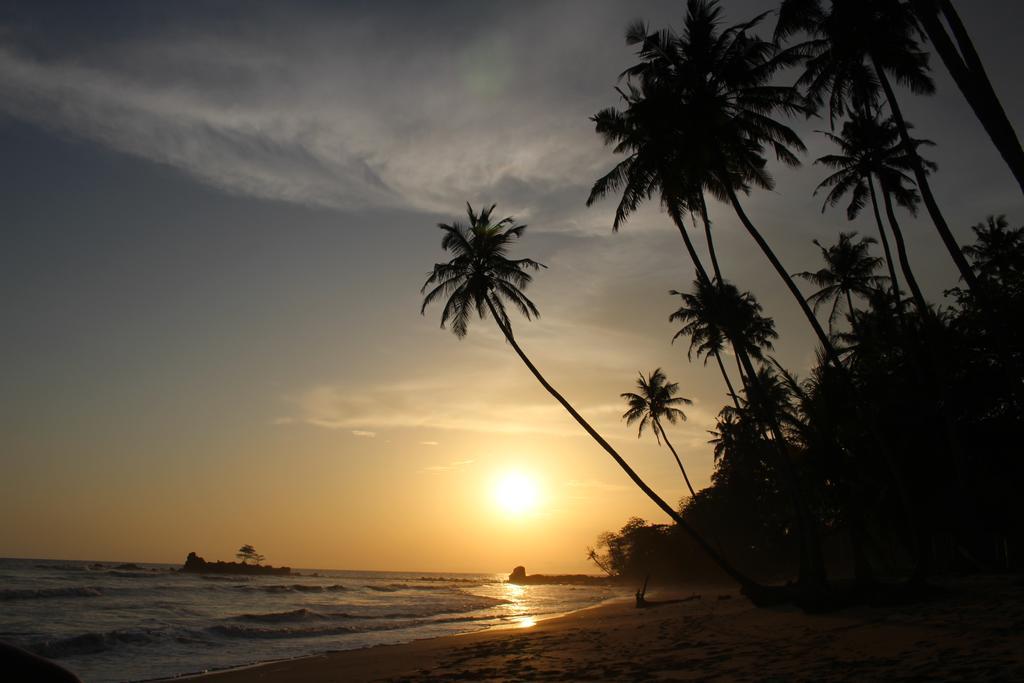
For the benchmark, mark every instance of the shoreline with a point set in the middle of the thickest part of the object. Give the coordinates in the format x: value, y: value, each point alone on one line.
x: 974, y: 630
x: 215, y: 674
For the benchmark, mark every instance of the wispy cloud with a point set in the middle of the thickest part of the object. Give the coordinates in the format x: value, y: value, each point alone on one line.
x: 458, y: 464
x: 364, y: 433
x: 307, y: 116
x: 438, y: 406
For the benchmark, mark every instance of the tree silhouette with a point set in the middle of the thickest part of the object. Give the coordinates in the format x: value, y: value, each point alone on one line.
x: 247, y: 552
x: 957, y: 51
x: 482, y: 278
x: 655, y: 401
x: 713, y: 311
x: 849, y: 270
x: 654, y: 164
x: 870, y: 149
x: 997, y: 254
x: 853, y: 48
x: 702, y: 102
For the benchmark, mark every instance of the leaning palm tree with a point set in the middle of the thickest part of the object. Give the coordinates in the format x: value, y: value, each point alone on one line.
x: 482, y: 279
x: 645, y: 129
x: 702, y: 102
x: 870, y: 150
x: 657, y: 401
x: 853, y: 47
x: 849, y: 271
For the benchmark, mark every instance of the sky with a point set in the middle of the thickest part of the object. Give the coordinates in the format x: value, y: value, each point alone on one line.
x: 216, y: 221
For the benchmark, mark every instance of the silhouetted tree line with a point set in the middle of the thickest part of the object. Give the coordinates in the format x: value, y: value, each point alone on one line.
x: 943, y: 497
x: 898, y: 453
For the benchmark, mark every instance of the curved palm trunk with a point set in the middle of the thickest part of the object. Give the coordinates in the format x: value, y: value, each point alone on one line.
x: 681, y: 225
x: 668, y: 443
x: 969, y: 74
x: 901, y: 249
x: 703, y: 274
x: 747, y: 583
x: 849, y: 304
x: 922, y: 183
x: 707, y: 235
x: 885, y: 241
x: 739, y: 369
x: 728, y: 382
x: 832, y: 315
x: 826, y: 343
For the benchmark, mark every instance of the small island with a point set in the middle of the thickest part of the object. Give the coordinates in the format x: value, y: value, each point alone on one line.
x: 196, y: 564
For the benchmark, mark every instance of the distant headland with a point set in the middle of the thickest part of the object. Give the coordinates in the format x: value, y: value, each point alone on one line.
x: 194, y: 563
x: 520, y: 577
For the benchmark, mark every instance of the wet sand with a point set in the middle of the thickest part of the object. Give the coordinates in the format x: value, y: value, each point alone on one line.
x: 973, y: 630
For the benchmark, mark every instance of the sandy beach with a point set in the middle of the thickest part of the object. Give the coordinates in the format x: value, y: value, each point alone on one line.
x: 972, y: 630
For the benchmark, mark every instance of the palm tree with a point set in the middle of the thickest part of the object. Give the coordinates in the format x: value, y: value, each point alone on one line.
x: 652, y: 166
x: 657, y: 400
x: 964, y: 65
x: 482, y: 279
x: 870, y: 149
x: 849, y: 270
x: 852, y: 49
x: 712, y: 312
x: 701, y: 102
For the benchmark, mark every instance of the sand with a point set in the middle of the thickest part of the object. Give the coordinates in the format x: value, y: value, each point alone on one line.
x: 972, y: 631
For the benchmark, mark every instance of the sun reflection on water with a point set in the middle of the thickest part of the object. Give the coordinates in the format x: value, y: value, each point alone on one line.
x: 517, y: 607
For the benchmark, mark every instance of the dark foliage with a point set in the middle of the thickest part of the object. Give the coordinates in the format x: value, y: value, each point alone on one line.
x: 963, y: 507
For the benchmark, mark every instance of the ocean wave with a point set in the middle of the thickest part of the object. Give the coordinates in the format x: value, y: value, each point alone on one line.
x: 468, y: 603
x: 394, y: 587
x: 451, y: 620
x: 232, y: 631
x: 134, y: 575
x: 295, y: 588
x: 433, y: 612
x: 37, y: 593
x: 296, y: 615
x: 89, y: 643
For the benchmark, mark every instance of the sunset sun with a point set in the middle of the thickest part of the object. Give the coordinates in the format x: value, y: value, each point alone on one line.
x: 515, y: 493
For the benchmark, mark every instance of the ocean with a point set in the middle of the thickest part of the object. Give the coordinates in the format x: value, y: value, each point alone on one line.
x: 108, y: 622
